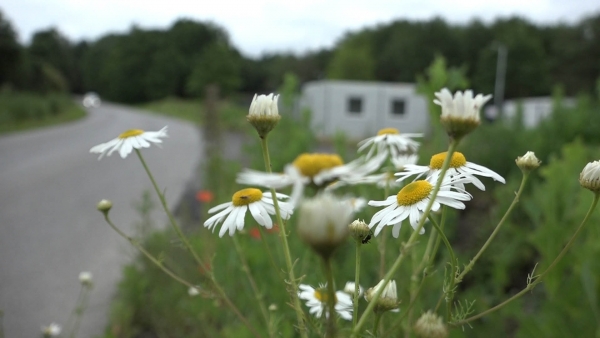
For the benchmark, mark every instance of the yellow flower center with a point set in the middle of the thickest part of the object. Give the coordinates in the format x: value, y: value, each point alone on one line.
x: 131, y: 133
x: 386, y: 131
x: 246, y: 196
x: 322, y: 296
x: 458, y: 160
x: 414, y: 193
x: 311, y: 164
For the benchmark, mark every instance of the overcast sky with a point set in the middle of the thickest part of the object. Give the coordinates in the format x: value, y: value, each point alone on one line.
x: 262, y: 26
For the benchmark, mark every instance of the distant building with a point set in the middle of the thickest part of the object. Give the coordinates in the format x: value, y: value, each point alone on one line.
x: 534, y: 109
x: 360, y: 109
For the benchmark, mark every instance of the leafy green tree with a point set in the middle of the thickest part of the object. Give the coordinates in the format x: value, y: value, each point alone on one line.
x: 51, y: 52
x: 10, y: 51
x: 353, y: 59
x: 218, y: 65
x: 167, y: 70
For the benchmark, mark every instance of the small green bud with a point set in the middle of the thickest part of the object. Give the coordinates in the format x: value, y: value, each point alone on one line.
x: 104, y: 206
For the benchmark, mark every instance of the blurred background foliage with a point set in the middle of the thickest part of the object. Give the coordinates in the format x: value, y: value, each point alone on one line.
x: 150, y: 64
x: 175, y: 65
x: 566, y: 304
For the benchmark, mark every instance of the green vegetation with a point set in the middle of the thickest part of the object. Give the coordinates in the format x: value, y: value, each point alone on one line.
x: 145, y: 65
x: 231, y: 114
x: 20, y: 111
x: 550, y: 208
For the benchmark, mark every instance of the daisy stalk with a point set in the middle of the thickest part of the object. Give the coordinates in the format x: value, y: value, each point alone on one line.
x: 383, y: 238
x: 331, y: 298
x: 286, y: 249
x: 356, y: 285
x: 515, y: 201
x: 80, y: 306
x: 416, y: 285
x: 453, y: 263
x: 256, y: 291
x: 427, y: 261
x: 189, y: 247
x: 171, y: 274
x: 411, y: 241
x: 533, y: 280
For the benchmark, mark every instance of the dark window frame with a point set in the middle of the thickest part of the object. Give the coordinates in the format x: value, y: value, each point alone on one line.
x: 396, y: 102
x: 354, y: 105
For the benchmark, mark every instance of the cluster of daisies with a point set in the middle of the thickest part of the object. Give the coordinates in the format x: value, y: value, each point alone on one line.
x: 387, y: 160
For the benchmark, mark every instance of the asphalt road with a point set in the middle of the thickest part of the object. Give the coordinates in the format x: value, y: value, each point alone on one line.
x: 50, y: 229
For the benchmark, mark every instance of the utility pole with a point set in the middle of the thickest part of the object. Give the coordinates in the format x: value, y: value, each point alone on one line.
x: 500, y: 78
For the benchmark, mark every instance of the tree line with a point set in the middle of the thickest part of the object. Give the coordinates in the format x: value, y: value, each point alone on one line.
x: 150, y: 64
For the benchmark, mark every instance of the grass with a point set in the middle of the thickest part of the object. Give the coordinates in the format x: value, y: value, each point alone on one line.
x: 230, y: 114
x: 189, y: 110
x: 24, y: 111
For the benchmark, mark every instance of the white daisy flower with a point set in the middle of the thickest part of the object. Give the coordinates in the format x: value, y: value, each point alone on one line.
x: 127, y: 141
x: 460, y: 114
x: 323, y: 222
x: 310, y: 168
x: 411, y: 201
x: 590, y: 176
x: 458, y: 166
x: 461, y: 105
x: 291, y: 176
x: 390, y: 142
x: 356, y: 203
x: 382, y: 180
x: 350, y: 288
x: 316, y: 300
x: 260, y: 205
x: 52, y: 330
x: 351, y: 171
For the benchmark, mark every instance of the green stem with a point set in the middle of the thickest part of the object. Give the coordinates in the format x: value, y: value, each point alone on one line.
x: 73, y: 314
x: 450, y: 291
x: 415, y: 286
x: 331, y: 299
x: 376, y: 323
x: 263, y: 238
x: 356, y: 283
x: 383, y: 238
x: 536, y: 280
x: 179, y: 279
x: 286, y: 249
x: 439, y: 239
x: 469, y: 267
x: 257, y: 293
x: 79, y: 311
x: 410, y: 242
x: 163, y: 202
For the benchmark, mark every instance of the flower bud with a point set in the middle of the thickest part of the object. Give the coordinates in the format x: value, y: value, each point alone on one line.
x: 52, y: 330
x: 263, y: 114
x: 590, y: 176
x: 104, y: 206
x: 430, y: 325
x: 193, y: 291
x: 360, y: 231
x: 528, y: 162
x: 388, y: 300
x: 85, y: 278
